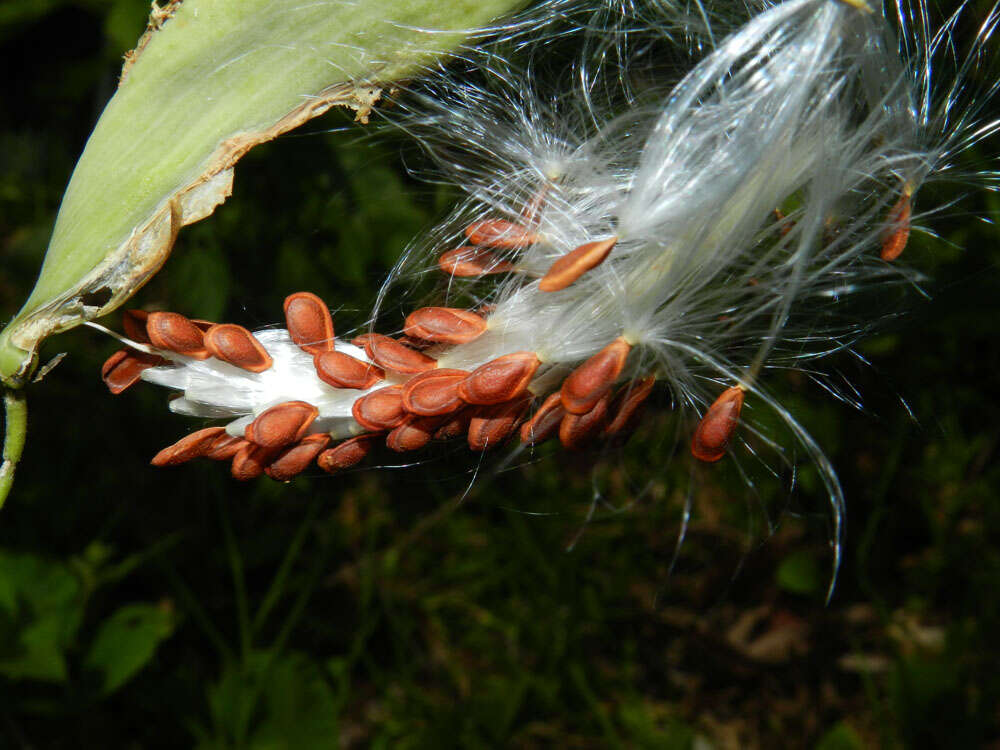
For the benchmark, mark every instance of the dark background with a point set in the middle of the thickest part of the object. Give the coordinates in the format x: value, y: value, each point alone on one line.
x: 388, y: 607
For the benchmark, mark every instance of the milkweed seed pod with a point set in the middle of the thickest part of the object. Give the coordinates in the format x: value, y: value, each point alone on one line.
x: 642, y: 228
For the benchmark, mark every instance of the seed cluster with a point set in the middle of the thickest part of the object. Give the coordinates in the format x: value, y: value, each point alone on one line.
x: 419, y: 401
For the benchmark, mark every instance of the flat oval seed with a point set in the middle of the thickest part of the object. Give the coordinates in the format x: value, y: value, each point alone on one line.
x: 501, y: 379
x: 281, y: 425
x: 500, y: 233
x: 392, y: 355
x: 457, y: 424
x: 444, y: 325
x: 590, y: 381
x: 472, y: 261
x: 544, y: 423
x: 346, y: 454
x: 576, y: 430
x: 380, y: 410
x: 293, y: 461
x: 134, y: 324
x: 309, y: 322
x: 188, y: 447
x: 492, y: 425
x: 224, y: 447
x: 413, y: 434
x: 237, y: 346
x: 434, y: 392
x: 715, y: 430
x: 897, y: 234
x: 344, y: 371
x: 626, y: 408
x: 124, y: 368
x: 575, y: 264
x: 250, y: 460
x: 175, y: 333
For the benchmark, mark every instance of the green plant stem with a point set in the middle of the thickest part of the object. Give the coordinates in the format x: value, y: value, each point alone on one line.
x: 16, y: 406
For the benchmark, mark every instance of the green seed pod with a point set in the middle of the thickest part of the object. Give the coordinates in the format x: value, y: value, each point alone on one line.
x: 209, y: 80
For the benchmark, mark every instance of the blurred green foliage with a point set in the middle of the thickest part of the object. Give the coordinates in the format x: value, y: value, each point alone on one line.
x: 395, y: 607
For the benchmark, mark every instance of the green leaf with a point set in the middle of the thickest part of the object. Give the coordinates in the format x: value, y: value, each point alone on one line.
x: 126, y: 641
x: 799, y: 573
x: 840, y: 737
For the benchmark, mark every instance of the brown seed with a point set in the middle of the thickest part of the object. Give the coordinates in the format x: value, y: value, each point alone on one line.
x: 360, y: 340
x: 224, y: 447
x: 309, y: 322
x: 281, y: 425
x: 897, y: 234
x: 780, y: 218
x: 413, y: 434
x: 457, y: 424
x: 250, y: 460
x: 380, y: 410
x: 203, y: 325
x: 175, y: 333
x: 125, y: 366
x: 134, y: 324
x: 492, y: 425
x: 500, y: 233
x: 626, y: 408
x: 575, y: 264
x: 500, y: 379
x: 444, y: 325
x: 346, y: 454
x: 344, y: 371
x: 434, y: 392
x: 294, y: 460
x: 576, y: 430
x: 237, y: 346
x: 188, y: 447
x: 392, y: 355
x: 716, y: 428
x: 590, y: 381
x: 472, y: 261
x: 544, y: 423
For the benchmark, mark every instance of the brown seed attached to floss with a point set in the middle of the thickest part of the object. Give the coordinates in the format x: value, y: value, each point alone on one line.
x: 500, y: 233
x: 224, y: 447
x: 492, y: 425
x: 500, y: 379
x: 544, y: 423
x: 250, y: 460
x: 188, y: 447
x: 444, y: 325
x: 457, y: 424
x: 237, y: 346
x: 124, y: 368
x: 392, y: 355
x: 344, y: 371
x: 380, y: 410
x: 309, y: 322
x: 434, y: 392
x: 413, y: 434
x: 575, y: 264
x: 472, y: 261
x: 897, y: 234
x: 346, y: 454
x: 294, y: 460
x: 175, y: 333
x: 576, y: 430
x: 715, y: 430
x: 585, y: 386
x: 626, y: 408
x: 134, y: 325
x: 281, y: 425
